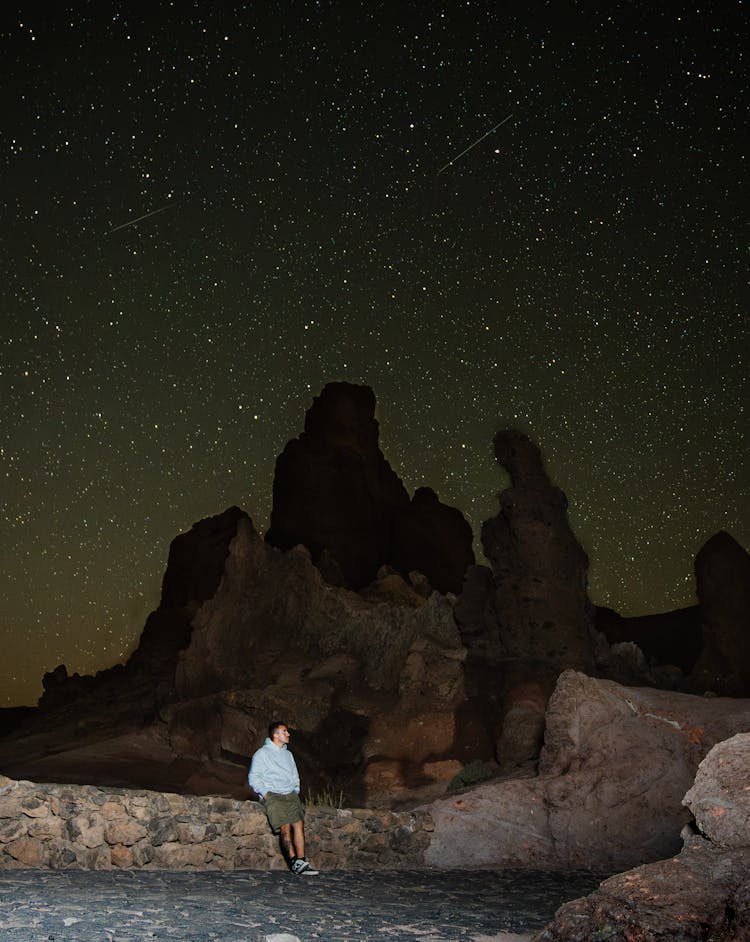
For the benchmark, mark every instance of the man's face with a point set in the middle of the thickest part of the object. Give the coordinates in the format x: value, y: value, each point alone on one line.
x: 281, y: 735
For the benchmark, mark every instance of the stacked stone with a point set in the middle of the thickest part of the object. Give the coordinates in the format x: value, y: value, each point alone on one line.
x: 84, y: 827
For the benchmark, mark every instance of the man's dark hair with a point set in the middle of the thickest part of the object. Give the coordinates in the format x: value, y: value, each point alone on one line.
x: 272, y: 727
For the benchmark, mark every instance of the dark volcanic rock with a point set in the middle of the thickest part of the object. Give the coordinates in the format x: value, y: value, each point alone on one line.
x: 668, y: 638
x: 336, y: 494
x: 722, y: 572
x: 194, y: 570
x: 372, y: 686
x: 11, y: 718
x: 196, y: 559
x: 433, y: 539
x: 530, y: 617
x: 76, y: 712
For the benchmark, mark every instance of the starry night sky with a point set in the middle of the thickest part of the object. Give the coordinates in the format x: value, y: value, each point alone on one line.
x: 579, y: 273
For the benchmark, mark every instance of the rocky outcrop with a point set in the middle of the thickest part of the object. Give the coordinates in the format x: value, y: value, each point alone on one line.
x: 431, y: 538
x: 529, y: 617
x: 68, y: 827
x: 669, y: 638
x: 336, y: 494
x: 194, y: 569
x: 392, y: 689
x: 615, y: 766
x: 386, y: 678
x: 702, y: 893
x: 373, y: 687
x: 696, y: 896
x: 133, y: 692
x: 274, y: 614
x: 704, y: 648
x: 722, y: 573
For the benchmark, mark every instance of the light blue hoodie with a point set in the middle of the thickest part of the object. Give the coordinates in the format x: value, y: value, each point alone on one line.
x: 273, y: 770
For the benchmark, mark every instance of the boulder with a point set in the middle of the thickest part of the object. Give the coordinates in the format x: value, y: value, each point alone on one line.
x: 720, y: 796
x: 614, y: 768
x: 703, y: 892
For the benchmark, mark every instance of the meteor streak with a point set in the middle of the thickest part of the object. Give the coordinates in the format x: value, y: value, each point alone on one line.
x: 472, y: 146
x: 132, y: 222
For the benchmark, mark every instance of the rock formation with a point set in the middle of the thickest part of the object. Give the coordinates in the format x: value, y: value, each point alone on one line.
x: 373, y: 685
x: 194, y: 569
x: 529, y: 617
x: 703, y: 893
x: 336, y: 494
x: 704, y: 648
x: 394, y: 689
x: 615, y: 766
x: 671, y: 638
x: 372, y: 688
x: 722, y: 572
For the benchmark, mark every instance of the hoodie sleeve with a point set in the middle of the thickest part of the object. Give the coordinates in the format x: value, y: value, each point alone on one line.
x: 296, y: 776
x: 256, y: 777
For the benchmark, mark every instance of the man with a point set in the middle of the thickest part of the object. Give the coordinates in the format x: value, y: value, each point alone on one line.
x: 274, y: 777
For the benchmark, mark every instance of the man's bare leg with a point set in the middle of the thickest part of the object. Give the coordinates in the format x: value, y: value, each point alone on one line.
x: 298, y: 831
x: 286, y: 843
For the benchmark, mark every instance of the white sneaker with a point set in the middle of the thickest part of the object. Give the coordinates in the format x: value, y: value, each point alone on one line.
x: 301, y: 866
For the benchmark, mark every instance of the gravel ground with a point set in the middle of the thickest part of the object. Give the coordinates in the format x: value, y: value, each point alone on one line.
x: 263, y: 906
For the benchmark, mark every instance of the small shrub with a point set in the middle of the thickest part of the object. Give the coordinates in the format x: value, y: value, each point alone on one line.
x: 326, y: 797
x: 471, y: 774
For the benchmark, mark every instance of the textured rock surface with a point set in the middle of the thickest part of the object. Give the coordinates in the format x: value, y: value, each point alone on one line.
x: 615, y: 766
x: 336, y: 494
x: 275, y: 613
x: 83, y: 827
x: 373, y: 686
x: 701, y: 894
x: 720, y: 796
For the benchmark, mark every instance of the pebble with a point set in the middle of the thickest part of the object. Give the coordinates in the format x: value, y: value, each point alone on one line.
x: 274, y: 906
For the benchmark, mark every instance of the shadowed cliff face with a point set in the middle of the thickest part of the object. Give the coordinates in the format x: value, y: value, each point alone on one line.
x: 722, y: 573
x: 336, y: 494
x: 529, y: 617
x: 705, y: 648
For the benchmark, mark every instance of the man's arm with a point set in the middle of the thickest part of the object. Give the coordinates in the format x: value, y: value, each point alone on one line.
x: 296, y: 776
x: 256, y: 776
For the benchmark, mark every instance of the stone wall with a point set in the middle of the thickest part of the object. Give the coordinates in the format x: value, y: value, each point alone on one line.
x: 84, y: 827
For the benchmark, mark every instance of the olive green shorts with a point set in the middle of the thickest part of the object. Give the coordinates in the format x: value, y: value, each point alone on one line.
x: 283, y: 809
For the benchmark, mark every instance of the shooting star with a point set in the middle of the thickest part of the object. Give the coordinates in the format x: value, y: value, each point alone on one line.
x: 132, y: 222
x: 472, y: 146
